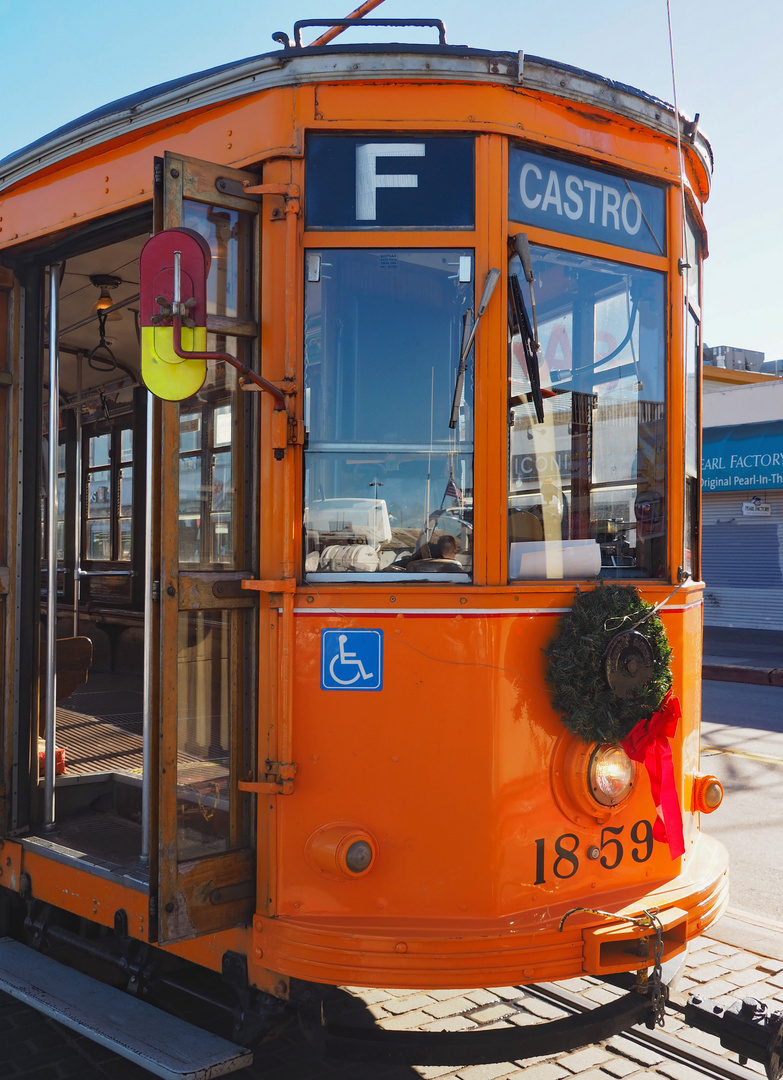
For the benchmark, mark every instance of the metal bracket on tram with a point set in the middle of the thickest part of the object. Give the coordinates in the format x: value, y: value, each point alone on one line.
x: 245, y: 189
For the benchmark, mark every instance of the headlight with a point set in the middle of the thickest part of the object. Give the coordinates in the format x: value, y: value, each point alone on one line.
x: 611, y: 774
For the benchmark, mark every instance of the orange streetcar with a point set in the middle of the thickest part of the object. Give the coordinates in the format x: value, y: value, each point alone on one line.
x: 350, y: 601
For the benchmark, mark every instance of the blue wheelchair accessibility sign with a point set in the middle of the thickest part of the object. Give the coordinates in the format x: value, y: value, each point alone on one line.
x: 351, y: 659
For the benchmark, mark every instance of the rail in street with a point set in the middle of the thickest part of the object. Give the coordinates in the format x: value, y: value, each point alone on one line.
x: 35, y: 1048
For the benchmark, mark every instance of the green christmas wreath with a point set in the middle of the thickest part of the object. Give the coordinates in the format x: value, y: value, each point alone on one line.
x: 597, y: 627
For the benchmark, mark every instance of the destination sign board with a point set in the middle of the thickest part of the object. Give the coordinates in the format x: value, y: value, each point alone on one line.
x: 383, y: 182
x: 556, y: 193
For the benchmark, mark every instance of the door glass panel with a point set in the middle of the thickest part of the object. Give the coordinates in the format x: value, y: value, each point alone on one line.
x: 388, y: 482
x: 210, y: 430
x: 229, y: 235
x: 204, y: 686
x: 587, y: 483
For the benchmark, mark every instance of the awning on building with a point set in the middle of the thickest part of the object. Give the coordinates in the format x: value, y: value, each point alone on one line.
x: 745, y: 457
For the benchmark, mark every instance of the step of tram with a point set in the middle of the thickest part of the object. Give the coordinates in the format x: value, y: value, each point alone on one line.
x: 164, y: 1045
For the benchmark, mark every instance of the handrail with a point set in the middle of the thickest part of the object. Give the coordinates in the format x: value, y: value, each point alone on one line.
x: 51, y: 549
x: 437, y: 23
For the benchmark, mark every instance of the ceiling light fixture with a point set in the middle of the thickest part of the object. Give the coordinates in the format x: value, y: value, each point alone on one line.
x: 106, y: 282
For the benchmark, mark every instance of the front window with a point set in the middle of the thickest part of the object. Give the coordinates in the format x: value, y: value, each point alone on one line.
x: 587, y: 445
x: 388, y: 480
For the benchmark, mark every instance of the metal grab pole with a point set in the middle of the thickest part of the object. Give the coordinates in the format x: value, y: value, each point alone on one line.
x: 51, y: 549
x: 146, y: 776
x: 77, y: 514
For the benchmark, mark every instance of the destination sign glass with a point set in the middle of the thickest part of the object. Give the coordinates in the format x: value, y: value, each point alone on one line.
x: 554, y: 193
x: 383, y: 182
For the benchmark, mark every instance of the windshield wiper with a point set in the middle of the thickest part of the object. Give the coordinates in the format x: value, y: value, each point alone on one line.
x: 528, y: 335
x: 468, y: 334
x: 525, y: 332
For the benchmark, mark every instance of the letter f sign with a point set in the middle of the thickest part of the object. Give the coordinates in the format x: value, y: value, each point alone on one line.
x: 368, y: 180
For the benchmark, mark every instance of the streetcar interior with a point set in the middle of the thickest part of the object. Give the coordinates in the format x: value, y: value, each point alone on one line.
x: 100, y: 538
x: 101, y: 496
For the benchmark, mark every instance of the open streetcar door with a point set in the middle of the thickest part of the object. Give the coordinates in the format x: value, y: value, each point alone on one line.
x: 206, y: 865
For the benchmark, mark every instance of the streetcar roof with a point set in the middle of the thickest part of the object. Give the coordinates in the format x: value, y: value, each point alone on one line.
x: 342, y: 63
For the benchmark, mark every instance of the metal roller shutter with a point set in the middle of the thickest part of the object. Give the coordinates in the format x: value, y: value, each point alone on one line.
x: 742, y: 562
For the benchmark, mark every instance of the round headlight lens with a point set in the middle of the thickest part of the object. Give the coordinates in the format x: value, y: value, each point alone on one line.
x: 611, y: 774
x: 358, y: 856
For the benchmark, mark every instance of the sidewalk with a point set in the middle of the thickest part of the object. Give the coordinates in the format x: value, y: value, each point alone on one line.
x: 747, y: 656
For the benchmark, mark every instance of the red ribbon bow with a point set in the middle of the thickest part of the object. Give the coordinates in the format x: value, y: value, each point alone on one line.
x: 648, y: 741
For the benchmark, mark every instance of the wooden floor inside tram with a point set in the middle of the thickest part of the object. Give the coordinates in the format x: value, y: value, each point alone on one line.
x: 98, y: 796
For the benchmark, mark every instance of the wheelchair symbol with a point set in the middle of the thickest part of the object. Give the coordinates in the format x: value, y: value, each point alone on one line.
x: 347, y: 659
x: 351, y: 660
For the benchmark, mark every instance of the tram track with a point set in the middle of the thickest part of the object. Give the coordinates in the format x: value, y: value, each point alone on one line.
x: 674, y: 1049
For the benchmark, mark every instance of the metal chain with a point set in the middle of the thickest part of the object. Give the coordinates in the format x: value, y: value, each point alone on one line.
x: 657, y: 991
x: 654, y: 984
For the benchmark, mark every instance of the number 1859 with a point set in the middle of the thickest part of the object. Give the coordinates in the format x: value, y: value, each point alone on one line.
x: 564, y: 862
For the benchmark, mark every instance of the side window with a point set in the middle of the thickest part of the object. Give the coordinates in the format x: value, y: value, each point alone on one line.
x: 108, y: 491
x: 587, y: 454
x: 388, y: 481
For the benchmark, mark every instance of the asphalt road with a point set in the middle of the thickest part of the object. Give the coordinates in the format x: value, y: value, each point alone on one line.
x: 742, y: 744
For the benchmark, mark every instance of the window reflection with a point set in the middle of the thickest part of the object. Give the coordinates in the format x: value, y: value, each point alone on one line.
x: 203, y: 753
x: 229, y: 235
x: 587, y: 485
x: 388, y: 484
x: 207, y: 481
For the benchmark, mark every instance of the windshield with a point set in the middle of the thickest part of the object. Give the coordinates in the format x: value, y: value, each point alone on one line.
x: 388, y: 481
x: 586, y: 483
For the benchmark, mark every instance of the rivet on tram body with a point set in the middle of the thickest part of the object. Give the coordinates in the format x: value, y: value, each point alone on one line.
x: 593, y: 852
x: 392, y: 599
x: 259, y: 953
x: 463, y: 599
x: 400, y: 947
x: 228, y: 146
x: 175, y: 173
x: 310, y: 599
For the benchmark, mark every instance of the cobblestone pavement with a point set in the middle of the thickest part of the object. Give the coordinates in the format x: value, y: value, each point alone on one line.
x: 35, y: 1048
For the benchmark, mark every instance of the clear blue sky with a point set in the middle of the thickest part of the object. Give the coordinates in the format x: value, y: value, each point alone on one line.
x: 61, y: 58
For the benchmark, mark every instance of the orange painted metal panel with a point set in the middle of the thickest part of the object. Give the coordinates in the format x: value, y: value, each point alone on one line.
x: 85, y: 894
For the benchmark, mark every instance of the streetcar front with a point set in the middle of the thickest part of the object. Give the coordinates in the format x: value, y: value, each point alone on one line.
x: 500, y: 401
x: 396, y: 591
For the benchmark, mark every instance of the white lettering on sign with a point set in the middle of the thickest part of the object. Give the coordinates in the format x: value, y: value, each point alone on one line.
x: 604, y: 203
x: 752, y: 461
x: 368, y: 180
